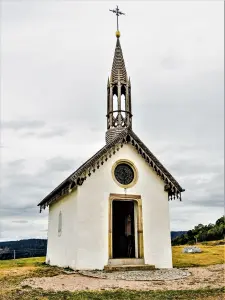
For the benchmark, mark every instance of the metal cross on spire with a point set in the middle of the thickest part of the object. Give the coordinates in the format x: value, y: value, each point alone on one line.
x: 118, y: 13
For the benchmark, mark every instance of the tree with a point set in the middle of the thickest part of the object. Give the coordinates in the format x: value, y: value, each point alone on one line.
x: 202, y: 233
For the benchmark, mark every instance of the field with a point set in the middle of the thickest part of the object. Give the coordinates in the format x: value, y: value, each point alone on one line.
x: 12, y: 272
x: 210, y: 255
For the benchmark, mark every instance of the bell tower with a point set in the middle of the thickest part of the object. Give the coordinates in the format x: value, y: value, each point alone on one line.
x: 119, y: 114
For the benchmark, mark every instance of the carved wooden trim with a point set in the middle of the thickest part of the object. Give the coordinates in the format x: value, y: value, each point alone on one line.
x: 92, y: 165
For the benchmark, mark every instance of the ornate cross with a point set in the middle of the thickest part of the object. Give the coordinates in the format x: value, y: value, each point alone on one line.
x: 118, y: 13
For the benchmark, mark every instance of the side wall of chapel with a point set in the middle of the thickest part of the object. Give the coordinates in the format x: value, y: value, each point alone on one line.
x: 62, y: 247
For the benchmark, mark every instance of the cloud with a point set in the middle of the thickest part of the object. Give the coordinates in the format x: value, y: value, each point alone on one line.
x: 21, y: 191
x: 30, y: 128
x: 57, y: 164
x: 53, y: 133
x: 46, y: 133
x: 22, y: 124
x: 20, y: 221
x: 171, y: 62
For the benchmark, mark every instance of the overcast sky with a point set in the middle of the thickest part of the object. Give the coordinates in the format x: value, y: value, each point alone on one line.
x: 55, y: 59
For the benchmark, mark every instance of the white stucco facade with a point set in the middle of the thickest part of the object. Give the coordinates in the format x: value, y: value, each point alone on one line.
x: 83, y: 243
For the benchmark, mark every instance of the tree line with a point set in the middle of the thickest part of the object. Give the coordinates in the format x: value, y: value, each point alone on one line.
x: 23, y: 248
x: 202, y: 233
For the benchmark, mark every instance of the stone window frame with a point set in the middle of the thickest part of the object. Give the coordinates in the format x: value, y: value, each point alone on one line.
x: 140, y: 236
x: 132, y: 165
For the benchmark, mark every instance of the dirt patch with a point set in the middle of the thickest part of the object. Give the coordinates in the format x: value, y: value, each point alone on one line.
x: 17, y: 271
x: 201, y: 277
x: 146, y: 275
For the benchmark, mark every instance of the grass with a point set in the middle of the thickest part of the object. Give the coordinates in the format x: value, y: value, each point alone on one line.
x: 22, y: 262
x: 116, y: 295
x: 210, y: 255
x: 213, y: 243
x: 12, y: 272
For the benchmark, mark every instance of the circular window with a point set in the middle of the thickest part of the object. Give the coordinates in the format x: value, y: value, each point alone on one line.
x: 124, y: 173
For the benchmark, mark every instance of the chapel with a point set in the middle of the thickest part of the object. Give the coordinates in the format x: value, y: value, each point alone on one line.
x: 114, y: 209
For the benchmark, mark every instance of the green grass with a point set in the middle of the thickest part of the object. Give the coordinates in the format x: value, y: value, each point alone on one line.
x: 22, y: 262
x: 28, y: 294
x: 213, y: 243
x: 210, y: 255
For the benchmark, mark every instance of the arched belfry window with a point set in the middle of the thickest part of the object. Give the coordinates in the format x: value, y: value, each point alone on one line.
x: 123, y: 103
x: 60, y: 224
x: 115, y: 104
x: 123, y: 108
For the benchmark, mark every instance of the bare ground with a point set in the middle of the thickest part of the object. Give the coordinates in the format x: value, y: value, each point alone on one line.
x: 201, y: 277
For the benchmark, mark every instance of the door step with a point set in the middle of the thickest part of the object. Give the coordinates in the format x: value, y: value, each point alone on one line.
x: 126, y: 261
x: 112, y: 268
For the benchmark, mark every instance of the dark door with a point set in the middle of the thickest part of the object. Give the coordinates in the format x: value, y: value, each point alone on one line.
x: 123, y: 229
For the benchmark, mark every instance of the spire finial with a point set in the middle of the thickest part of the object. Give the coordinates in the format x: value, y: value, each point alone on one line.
x: 118, y: 13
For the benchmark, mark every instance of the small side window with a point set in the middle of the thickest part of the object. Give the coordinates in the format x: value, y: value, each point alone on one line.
x: 60, y: 224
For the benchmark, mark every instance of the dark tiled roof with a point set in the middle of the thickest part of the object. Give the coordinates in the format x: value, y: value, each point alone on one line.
x: 126, y: 136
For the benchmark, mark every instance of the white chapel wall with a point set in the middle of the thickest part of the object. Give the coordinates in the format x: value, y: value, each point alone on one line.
x: 61, y: 248
x: 92, y: 216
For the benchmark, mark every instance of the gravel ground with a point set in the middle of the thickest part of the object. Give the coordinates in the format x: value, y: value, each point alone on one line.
x: 201, y: 277
x: 160, y: 274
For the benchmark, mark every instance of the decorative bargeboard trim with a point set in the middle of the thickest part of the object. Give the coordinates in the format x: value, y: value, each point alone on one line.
x: 95, y: 162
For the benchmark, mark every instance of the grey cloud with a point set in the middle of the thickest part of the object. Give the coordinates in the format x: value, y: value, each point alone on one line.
x: 214, y: 200
x: 22, y: 124
x: 207, y: 192
x: 18, y: 163
x: 24, y: 210
x: 20, y: 221
x: 211, y: 200
x: 35, y: 128
x: 53, y: 133
x: 21, y: 192
x: 186, y: 218
x: 171, y: 62
x: 16, y: 231
x: 58, y: 164
x: 196, y: 166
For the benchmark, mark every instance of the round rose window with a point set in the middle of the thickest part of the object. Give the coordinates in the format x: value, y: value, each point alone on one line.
x: 124, y: 173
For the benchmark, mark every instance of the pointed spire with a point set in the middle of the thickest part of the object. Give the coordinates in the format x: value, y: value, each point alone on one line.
x: 119, y: 115
x: 118, y: 66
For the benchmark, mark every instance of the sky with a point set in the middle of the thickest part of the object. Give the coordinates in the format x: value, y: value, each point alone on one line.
x: 55, y: 60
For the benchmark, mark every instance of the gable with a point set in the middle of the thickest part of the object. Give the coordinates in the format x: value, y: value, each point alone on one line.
x: 103, y: 181
x: 127, y: 136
